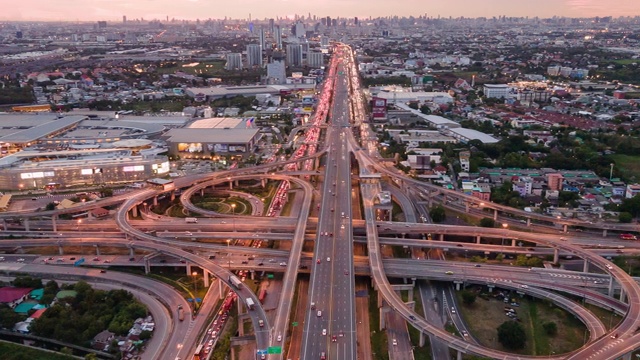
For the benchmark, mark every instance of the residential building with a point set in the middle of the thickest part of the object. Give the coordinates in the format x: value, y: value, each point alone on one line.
x: 464, y: 160
x: 234, y: 61
x: 554, y: 181
x: 315, y: 59
x: 632, y: 190
x: 294, y: 54
x: 254, y: 55
x: 276, y: 72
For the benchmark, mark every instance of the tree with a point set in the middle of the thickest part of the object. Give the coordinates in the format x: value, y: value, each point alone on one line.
x: 468, y: 297
x: 145, y: 335
x: 511, y: 335
x: 106, y: 192
x: 65, y: 350
x: 8, y: 317
x: 625, y: 217
x: 550, y: 328
x: 437, y: 214
x: 487, y: 222
x: 27, y: 282
x: 91, y: 356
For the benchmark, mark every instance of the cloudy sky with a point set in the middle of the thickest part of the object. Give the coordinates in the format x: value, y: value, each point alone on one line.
x: 91, y: 10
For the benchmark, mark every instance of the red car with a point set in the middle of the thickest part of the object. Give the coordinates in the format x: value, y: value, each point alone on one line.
x: 318, y: 261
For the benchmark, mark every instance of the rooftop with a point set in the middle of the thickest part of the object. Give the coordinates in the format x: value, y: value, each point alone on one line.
x: 225, y: 136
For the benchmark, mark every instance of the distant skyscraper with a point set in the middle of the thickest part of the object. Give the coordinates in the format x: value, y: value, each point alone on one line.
x: 272, y: 28
x: 254, y: 55
x: 102, y: 24
x: 323, y: 21
x: 355, y: 21
x: 324, y: 40
x: 300, y: 32
x: 278, y: 36
x: 124, y: 19
x: 294, y: 54
x: 234, y: 61
x: 328, y: 20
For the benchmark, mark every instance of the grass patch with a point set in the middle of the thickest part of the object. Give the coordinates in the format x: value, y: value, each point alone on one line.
x: 424, y: 352
x: 608, y: 318
x: 286, y: 209
x: 11, y: 351
x: 627, y: 164
x: 378, y: 338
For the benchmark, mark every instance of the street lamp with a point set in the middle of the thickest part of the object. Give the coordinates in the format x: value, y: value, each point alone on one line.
x: 233, y: 212
x: 228, y: 254
x: 195, y: 290
x: 505, y: 226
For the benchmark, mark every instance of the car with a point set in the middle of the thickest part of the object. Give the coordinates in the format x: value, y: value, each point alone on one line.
x: 330, y: 234
x: 324, y: 332
x: 328, y: 259
x: 323, y: 356
x: 209, y: 331
x: 260, y: 263
x: 478, y: 265
x: 459, y: 245
x: 188, y: 233
x: 531, y: 249
x: 453, y: 310
x: 326, y: 233
x: 263, y: 357
x: 72, y: 258
x: 50, y: 258
x: 394, y: 342
x: 103, y: 271
x: 96, y: 259
x: 244, y: 262
x: 346, y: 272
x: 132, y: 259
x: 614, y: 336
x: 279, y: 337
x: 342, y: 226
x: 260, y: 323
x: 524, y: 286
x: 319, y: 313
x: 334, y: 338
x: 107, y: 261
x: 313, y: 306
x: 412, y: 317
x: 598, y: 282
x: 1, y: 258
x: 332, y: 210
x: 465, y: 333
x: 21, y: 260
x: 449, y: 272
x: 283, y: 264
x: 210, y: 343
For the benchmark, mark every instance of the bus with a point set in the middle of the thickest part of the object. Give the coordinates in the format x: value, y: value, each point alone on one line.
x: 263, y: 294
x: 198, y: 355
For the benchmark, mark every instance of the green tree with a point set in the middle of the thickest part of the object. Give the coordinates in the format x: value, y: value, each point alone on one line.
x: 487, y: 222
x: 91, y: 356
x: 511, y: 335
x: 8, y: 317
x: 106, y: 192
x: 550, y: 328
x: 625, y: 217
x: 500, y: 257
x: 145, y: 335
x: 27, y: 282
x: 67, y: 351
x: 468, y: 297
x: 437, y: 214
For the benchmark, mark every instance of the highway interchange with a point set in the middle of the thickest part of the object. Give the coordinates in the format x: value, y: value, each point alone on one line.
x: 330, y: 323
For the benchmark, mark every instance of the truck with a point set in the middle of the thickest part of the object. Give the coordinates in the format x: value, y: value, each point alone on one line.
x: 250, y: 303
x: 235, y: 281
x: 180, y: 314
x: 191, y: 220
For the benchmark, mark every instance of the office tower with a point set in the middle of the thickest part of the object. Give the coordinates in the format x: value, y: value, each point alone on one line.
x: 102, y: 24
x: 272, y: 27
x: 294, y: 54
x: 278, y: 36
x: 355, y: 21
x: 234, y: 61
x: 124, y: 19
x: 300, y: 31
x: 324, y: 41
x: 328, y: 20
x: 323, y: 21
x: 254, y: 55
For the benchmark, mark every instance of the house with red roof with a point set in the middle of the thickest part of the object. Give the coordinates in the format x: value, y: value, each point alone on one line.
x: 13, y: 296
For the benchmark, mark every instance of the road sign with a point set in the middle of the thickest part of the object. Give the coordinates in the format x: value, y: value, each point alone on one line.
x: 78, y: 262
x: 262, y: 352
x: 198, y: 299
x: 295, y: 323
x: 269, y: 276
x: 274, y: 350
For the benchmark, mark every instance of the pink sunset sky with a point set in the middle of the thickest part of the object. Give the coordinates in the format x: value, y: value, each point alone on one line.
x: 91, y: 10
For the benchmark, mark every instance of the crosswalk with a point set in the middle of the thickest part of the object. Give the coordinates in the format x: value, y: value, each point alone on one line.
x: 597, y: 354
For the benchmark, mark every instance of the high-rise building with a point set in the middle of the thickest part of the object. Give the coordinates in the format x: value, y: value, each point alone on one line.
x: 234, y: 61
x: 276, y: 72
x: 300, y: 32
x: 254, y: 55
x: 124, y: 19
x: 315, y: 59
x: 272, y: 27
x: 102, y: 24
x: 278, y: 36
x: 261, y: 39
x: 294, y: 54
x: 324, y: 41
x: 355, y: 21
x: 328, y: 20
x: 554, y: 181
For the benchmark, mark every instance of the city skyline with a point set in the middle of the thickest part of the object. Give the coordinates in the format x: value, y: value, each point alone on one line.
x: 113, y: 10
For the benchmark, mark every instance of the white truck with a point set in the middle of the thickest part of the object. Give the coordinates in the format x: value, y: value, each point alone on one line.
x: 191, y: 220
x: 250, y: 303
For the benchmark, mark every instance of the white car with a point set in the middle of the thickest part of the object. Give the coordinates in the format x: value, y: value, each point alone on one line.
x: 324, y: 332
x: 283, y: 264
x: 395, y: 342
x: 279, y: 337
x: 328, y: 259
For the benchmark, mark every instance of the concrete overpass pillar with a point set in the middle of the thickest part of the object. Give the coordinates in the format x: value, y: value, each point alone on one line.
x: 97, y: 249
x: 188, y: 269
x: 478, y: 239
x: 253, y: 274
x: 4, y: 225
x: 202, y: 192
x: 383, y: 322
x: 54, y: 223
x: 60, y: 250
x: 423, y: 339
x: 490, y: 288
x: 147, y: 265
x: 611, y: 284
x: 173, y: 195
x: 457, y: 286
x: 410, y: 294
x: 528, y: 222
x: 205, y: 277
x: 513, y: 242
x: 230, y: 185
x: 26, y: 224
x: 441, y: 236
x: 623, y: 295
x: 556, y: 256
x: 155, y: 201
x: 466, y: 207
x: 459, y: 355
x: 134, y: 211
x: 20, y: 250
x: 495, y: 214
x: 131, y: 252
x: 263, y: 183
x: 220, y: 293
x: 585, y: 266
x: 380, y: 301
x: 604, y: 232
x: 237, y: 183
